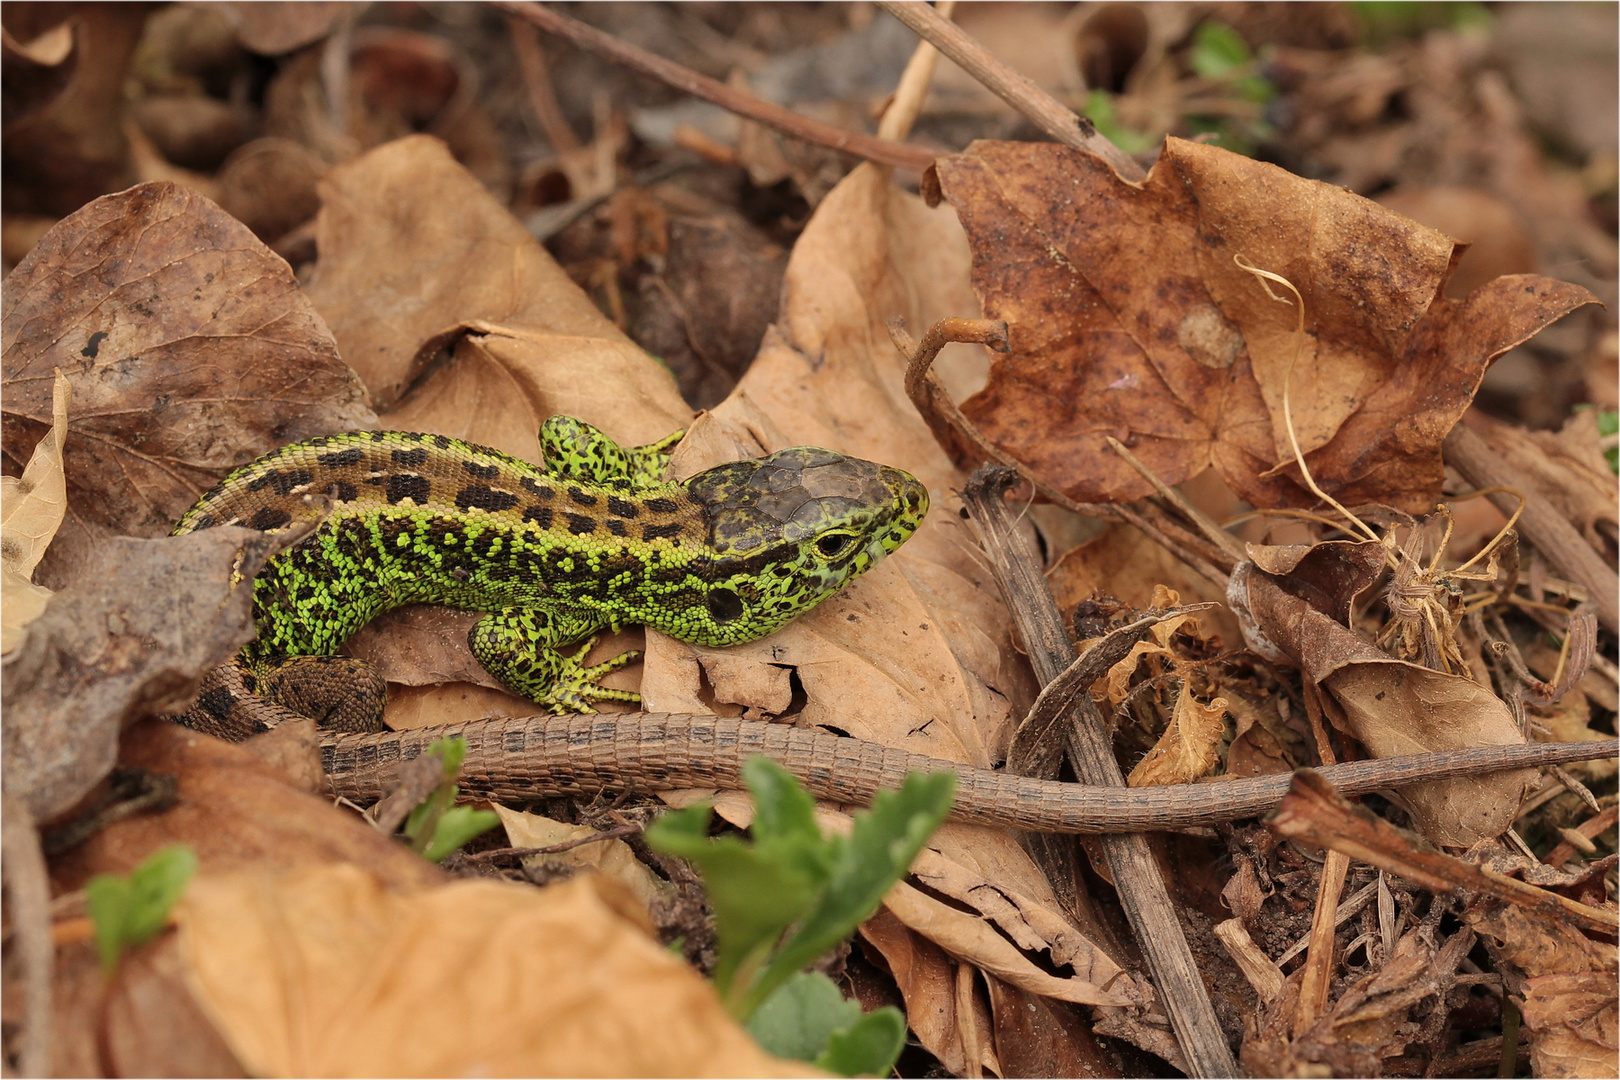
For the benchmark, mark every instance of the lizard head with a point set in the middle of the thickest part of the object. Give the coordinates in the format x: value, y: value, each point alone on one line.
x: 788, y: 530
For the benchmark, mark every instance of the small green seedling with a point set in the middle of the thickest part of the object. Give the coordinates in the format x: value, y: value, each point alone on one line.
x: 791, y: 895
x: 130, y: 909
x: 438, y: 826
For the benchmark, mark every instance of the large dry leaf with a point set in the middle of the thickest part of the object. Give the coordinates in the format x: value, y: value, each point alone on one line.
x: 1129, y: 318
x: 128, y: 642
x: 415, y: 256
x: 237, y: 812
x: 324, y: 972
x: 190, y: 349
x: 1392, y: 707
x: 914, y: 654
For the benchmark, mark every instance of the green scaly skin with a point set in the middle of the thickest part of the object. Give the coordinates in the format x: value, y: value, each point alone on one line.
x: 595, y: 540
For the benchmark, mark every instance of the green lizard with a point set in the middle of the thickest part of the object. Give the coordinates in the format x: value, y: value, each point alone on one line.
x: 592, y: 541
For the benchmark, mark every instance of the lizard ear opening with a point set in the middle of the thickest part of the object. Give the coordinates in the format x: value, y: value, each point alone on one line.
x: 724, y: 605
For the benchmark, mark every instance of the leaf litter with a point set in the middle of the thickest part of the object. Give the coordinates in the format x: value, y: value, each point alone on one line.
x: 448, y: 316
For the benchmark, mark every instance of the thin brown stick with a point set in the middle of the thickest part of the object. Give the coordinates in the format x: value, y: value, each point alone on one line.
x: 1319, y: 958
x: 1211, y: 531
x: 1142, y: 891
x: 28, y: 908
x: 537, y: 81
x: 1035, y: 104
x: 618, y: 832
x: 682, y: 78
x: 1542, y: 524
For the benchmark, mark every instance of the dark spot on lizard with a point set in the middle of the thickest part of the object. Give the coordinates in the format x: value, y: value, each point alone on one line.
x: 269, y: 517
x: 339, y: 458
x: 580, y: 525
x: 411, y: 458
x: 281, y: 481
x: 402, y: 486
x: 659, y: 505
x: 581, y: 498
x: 622, y: 507
x: 661, y: 532
x: 539, y: 515
x: 538, y: 490
x: 617, y: 527
x: 483, y: 472
x: 485, y: 498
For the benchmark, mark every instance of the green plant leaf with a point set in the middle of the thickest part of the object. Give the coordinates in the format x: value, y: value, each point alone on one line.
x: 128, y: 910
x: 757, y: 890
x: 1218, y: 50
x: 790, y: 874
x: 455, y: 827
x: 798, y: 1019
x: 880, y: 848
x: 868, y: 1047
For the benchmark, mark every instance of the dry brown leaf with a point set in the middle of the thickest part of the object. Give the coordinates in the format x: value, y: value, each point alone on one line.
x: 949, y: 1027
x: 236, y: 812
x: 416, y: 256
x: 1189, y: 747
x: 64, y: 142
x: 1392, y: 707
x: 1576, y: 1023
x: 908, y: 654
x: 611, y: 858
x: 1564, y: 982
x: 273, y: 29
x: 31, y: 510
x: 190, y: 349
x: 324, y: 972
x: 128, y: 642
x: 1128, y: 317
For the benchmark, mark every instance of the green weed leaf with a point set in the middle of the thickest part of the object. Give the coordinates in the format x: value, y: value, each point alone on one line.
x: 868, y: 1047
x: 128, y: 910
x: 880, y: 848
x: 455, y: 827
x: 798, y: 1019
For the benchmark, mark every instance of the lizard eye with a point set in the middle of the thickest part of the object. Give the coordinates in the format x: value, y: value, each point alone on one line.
x: 831, y: 545
x: 724, y: 605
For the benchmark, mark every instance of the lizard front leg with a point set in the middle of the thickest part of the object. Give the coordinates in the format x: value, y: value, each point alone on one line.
x: 575, y: 449
x: 522, y: 648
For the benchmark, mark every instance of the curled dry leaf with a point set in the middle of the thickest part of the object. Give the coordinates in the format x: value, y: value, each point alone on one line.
x: 64, y: 135
x: 1391, y: 707
x: 31, y: 510
x: 1129, y: 318
x: 416, y: 257
x: 324, y: 972
x: 1375, y: 1018
x: 611, y: 858
x: 1561, y: 977
x: 190, y: 349
x: 130, y: 641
